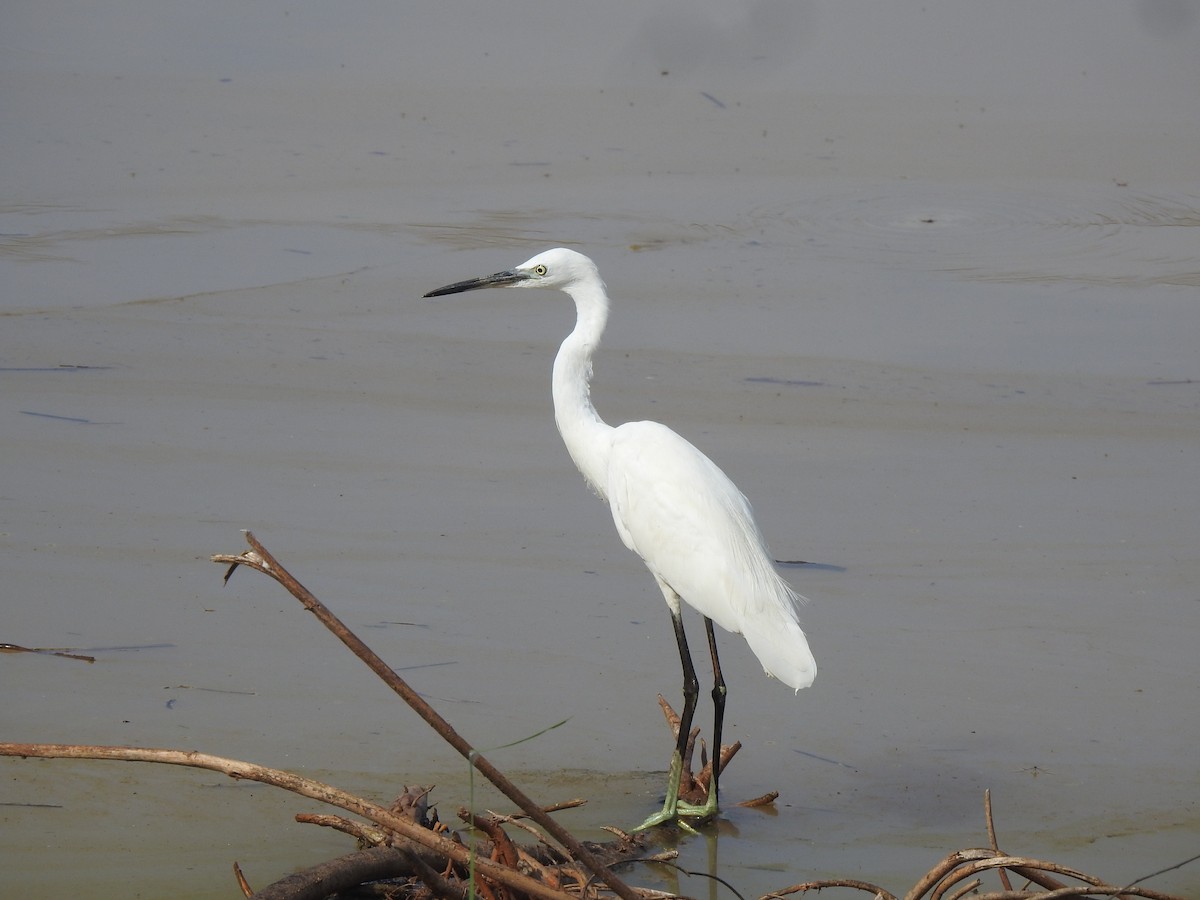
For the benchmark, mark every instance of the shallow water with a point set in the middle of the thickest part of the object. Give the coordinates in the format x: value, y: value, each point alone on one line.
x: 936, y: 318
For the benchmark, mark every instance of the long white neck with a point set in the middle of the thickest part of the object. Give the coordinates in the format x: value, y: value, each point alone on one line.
x: 587, y: 436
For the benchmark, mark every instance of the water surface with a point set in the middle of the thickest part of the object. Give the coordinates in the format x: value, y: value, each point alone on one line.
x: 922, y: 279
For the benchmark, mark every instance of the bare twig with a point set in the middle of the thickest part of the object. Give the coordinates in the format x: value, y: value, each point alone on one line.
x: 875, y: 890
x: 966, y: 889
x: 1163, y: 871
x: 46, y: 651
x: 504, y: 850
x: 991, y: 830
x: 966, y: 864
x: 371, y: 837
x: 243, y: 884
x: 553, y: 807
x: 669, y: 713
x: 261, y: 560
x: 943, y: 868
x: 433, y: 880
x: 728, y: 752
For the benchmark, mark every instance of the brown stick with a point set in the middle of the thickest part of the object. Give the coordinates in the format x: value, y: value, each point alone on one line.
x: 965, y: 864
x: 991, y: 830
x: 762, y: 800
x: 370, y: 837
x: 1091, y: 885
x: 297, y: 784
x: 553, y: 807
x: 17, y: 648
x: 262, y: 561
x: 880, y: 893
x: 433, y: 880
x: 947, y: 865
x: 243, y: 884
x: 504, y: 850
x: 728, y: 752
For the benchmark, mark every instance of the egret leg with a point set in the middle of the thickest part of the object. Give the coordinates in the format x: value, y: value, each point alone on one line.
x: 691, y: 694
x: 718, y: 696
x: 709, y: 807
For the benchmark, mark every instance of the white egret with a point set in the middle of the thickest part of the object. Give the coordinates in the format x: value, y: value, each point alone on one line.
x: 672, y: 507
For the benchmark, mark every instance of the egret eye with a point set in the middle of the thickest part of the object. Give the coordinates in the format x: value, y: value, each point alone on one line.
x: 540, y: 270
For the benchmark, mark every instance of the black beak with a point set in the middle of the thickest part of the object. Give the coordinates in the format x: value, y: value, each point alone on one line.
x: 500, y: 279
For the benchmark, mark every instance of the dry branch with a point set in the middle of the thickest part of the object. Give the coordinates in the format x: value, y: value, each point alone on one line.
x: 956, y: 876
x: 299, y: 785
x: 260, y: 559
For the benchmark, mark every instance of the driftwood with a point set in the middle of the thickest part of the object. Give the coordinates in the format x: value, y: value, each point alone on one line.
x: 942, y: 882
x: 406, y: 841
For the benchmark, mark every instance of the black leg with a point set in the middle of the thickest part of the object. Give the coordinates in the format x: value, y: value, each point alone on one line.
x: 718, y: 695
x: 691, y: 685
x: 691, y: 693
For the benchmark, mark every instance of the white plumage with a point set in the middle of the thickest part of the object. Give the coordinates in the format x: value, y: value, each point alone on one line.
x: 696, y: 532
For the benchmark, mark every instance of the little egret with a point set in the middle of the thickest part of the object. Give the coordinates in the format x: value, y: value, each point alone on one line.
x: 672, y: 507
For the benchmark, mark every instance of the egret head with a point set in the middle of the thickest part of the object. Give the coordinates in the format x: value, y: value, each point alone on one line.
x: 556, y: 269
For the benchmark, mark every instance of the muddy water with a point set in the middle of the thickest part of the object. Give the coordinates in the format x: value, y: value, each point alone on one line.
x: 934, y: 311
